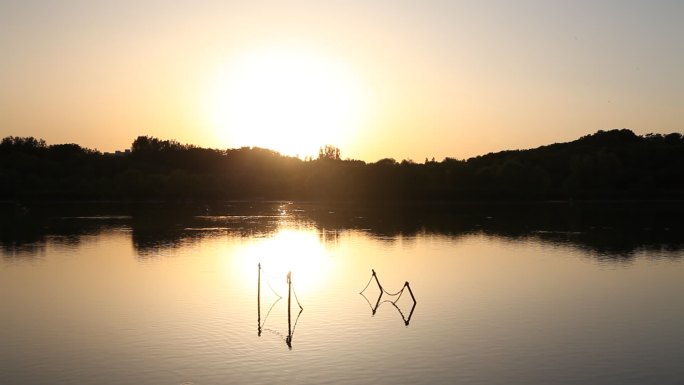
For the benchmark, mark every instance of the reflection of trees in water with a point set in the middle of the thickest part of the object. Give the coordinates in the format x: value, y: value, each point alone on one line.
x: 329, y: 236
x: 605, y: 230
x: 154, y: 233
x: 618, y: 243
x: 26, y: 236
x: 21, y: 239
x: 613, y: 231
x: 22, y: 252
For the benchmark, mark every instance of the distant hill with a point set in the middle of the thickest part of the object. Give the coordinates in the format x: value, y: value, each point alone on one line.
x: 607, y: 165
x: 612, y: 164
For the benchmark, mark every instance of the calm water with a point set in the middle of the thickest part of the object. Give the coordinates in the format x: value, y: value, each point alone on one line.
x: 503, y: 295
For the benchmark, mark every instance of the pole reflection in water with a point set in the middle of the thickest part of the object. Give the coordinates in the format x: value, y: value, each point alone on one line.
x: 260, y: 324
x: 398, y: 294
x: 290, y: 292
x: 290, y: 328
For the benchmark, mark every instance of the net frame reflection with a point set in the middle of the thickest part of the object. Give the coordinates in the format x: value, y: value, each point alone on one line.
x: 398, y: 294
x: 291, y: 327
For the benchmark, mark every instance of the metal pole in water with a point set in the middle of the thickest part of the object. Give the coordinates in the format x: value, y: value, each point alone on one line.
x: 259, y: 302
x: 411, y: 292
x: 377, y: 280
x: 288, y: 340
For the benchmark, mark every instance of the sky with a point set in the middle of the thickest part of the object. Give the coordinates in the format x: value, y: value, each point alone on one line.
x: 400, y: 79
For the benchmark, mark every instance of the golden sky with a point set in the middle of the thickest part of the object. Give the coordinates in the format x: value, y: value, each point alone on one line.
x: 402, y: 79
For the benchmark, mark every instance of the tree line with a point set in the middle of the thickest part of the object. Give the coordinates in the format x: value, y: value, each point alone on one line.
x: 607, y: 165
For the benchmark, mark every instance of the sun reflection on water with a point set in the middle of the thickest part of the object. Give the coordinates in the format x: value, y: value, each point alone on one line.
x: 299, y: 251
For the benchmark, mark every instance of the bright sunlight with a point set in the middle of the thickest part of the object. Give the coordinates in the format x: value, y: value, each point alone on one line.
x: 290, y: 250
x: 287, y: 100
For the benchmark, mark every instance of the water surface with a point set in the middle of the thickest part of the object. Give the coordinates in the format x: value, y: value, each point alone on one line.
x: 173, y: 294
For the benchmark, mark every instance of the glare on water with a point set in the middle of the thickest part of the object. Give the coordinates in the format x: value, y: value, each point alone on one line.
x: 206, y: 299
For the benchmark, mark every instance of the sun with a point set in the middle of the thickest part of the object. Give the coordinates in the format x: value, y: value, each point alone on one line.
x: 289, y: 100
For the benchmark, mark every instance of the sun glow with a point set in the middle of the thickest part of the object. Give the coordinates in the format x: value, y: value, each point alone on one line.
x: 287, y: 100
x: 300, y: 252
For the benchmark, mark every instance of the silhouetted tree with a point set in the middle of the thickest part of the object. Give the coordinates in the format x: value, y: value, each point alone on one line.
x: 329, y: 152
x: 613, y: 164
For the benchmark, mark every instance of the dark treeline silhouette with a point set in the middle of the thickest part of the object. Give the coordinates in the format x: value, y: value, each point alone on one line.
x: 607, y: 165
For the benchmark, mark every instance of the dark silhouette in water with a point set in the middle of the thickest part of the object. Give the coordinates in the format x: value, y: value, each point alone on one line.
x: 290, y: 327
x: 610, y: 232
x: 260, y: 324
x: 607, y: 165
x: 290, y: 291
x: 398, y: 295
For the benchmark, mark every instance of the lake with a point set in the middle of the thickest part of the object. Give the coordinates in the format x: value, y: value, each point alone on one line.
x: 192, y: 293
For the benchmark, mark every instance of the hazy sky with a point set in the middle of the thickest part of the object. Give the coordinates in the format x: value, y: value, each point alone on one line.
x: 432, y: 78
